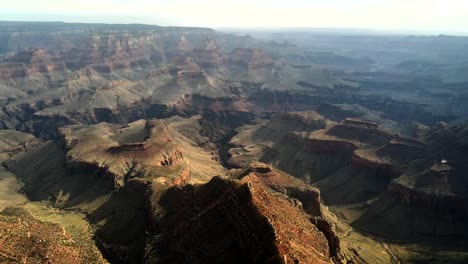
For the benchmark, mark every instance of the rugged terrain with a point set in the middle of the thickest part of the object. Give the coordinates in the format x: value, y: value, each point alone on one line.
x: 32, y: 232
x: 147, y: 144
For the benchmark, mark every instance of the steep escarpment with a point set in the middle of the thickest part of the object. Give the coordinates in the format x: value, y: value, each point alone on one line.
x: 12, y: 143
x: 414, y: 213
x: 257, y: 225
x: 378, y: 158
x: 106, y: 171
x: 115, y: 153
x: 401, y: 187
x: 308, y: 196
x: 256, y: 141
x: 36, y: 61
x: 127, y: 229
x: 354, y: 162
x: 319, y: 151
x: 87, y: 189
x: 363, y: 131
x: 100, y: 89
x: 107, y: 73
x: 208, y: 55
x: 430, y: 196
x: 124, y: 60
x: 32, y: 232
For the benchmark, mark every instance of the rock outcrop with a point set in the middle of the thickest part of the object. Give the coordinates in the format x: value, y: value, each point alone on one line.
x: 38, y: 61
x: 106, y: 171
x: 308, y: 196
x: 257, y: 225
x: 430, y: 196
x: 122, y: 158
x: 208, y: 55
x: 32, y: 232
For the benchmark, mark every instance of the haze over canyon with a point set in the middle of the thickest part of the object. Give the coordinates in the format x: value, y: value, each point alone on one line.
x: 134, y: 143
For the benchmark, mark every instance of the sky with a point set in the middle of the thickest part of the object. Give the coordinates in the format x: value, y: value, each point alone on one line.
x: 423, y: 15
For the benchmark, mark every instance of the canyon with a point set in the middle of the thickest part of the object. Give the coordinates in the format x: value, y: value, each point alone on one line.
x: 146, y: 144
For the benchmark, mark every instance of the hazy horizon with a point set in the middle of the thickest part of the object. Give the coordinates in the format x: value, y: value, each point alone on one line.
x: 432, y: 17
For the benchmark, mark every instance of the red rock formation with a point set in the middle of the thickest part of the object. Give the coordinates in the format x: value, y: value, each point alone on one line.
x: 29, y: 62
x: 12, y: 71
x: 256, y: 226
x: 288, y: 185
x: 184, y: 178
x: 208, y: 55
x: 41, y: 62
x: 189, y: 71
x: 169, y: 159
x: 308, y: 197
x: 113, y: 52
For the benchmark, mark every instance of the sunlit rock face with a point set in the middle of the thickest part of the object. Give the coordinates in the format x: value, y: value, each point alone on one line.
x: 268, y: 225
